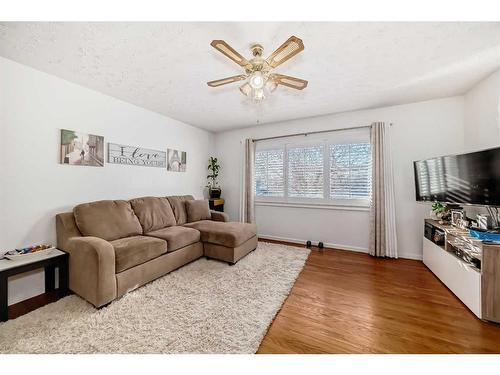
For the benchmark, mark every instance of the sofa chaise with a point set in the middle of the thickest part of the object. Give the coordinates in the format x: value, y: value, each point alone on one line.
x: 115, y: 246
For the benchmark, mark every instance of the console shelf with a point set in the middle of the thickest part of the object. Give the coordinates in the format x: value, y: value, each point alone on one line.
x: 475, y: 280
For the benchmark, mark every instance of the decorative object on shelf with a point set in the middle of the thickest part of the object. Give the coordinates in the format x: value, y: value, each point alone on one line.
x: 260, y: 81
x: 441, y: 211
x: 493, y: 212
x: 214, y: 189
x: 28, y: 252
x: 456, y: 217
x: 464, y: 223
x: 176, y: 160
x: 130, y: 155
x: 484, y: 221
x: 81, y: 148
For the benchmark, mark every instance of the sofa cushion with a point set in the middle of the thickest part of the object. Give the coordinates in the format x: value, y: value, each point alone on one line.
x: 197, y: 210
x: 230, y: 234
x: 179, y: 208
x: 108, y: 219
x: 132, y: 251
x: 153, y: 213
x: 176, y: 237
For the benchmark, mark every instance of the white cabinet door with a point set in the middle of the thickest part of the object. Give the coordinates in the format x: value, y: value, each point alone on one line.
x: 460, y: 278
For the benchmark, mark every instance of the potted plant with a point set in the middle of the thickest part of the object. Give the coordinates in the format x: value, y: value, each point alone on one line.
x: 441, y: 211
x: 214, y: 191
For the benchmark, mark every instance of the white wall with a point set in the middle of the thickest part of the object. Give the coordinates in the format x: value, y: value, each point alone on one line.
x: 34, y: 186
x: 482, y: 114
x: 482, y: 120
x: 420, y: 130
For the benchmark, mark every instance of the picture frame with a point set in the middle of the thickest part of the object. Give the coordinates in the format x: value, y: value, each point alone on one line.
x: 77, y: 148
x: 457, y: 217
x: 176, y: 160
x: 134, y: 155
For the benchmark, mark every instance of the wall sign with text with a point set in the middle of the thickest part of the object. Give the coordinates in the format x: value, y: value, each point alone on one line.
x: 121, y: 154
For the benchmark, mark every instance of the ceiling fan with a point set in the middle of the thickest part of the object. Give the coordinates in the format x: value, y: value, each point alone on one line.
x: 260, y: 80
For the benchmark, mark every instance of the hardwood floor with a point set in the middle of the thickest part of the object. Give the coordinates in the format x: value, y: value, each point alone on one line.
x: 346, y: 302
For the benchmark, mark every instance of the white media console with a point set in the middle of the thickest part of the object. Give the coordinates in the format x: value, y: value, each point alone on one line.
x: 468, y: 267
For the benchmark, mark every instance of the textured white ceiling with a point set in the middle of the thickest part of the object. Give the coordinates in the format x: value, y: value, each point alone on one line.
x: 164, y: 66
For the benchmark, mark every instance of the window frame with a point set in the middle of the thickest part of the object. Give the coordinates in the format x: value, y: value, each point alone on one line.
x: 326, y: 201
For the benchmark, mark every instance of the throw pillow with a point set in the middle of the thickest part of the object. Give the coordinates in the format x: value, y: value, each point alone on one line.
x: 197, y: 210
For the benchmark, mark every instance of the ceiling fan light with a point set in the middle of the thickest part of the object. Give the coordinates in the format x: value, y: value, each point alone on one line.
x: 257, y: 80
x: 271, y: 85
x: 261, y: 82
x: 246, y: 89
x: 258, y: 95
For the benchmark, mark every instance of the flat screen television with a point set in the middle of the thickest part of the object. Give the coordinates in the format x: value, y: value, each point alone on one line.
x: 472, y: 178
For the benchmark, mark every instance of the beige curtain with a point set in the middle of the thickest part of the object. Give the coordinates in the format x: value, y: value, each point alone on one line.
x: 247, y: 204
x: 383, y: 239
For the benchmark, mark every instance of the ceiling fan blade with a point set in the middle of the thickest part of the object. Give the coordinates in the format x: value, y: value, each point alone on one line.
x: 229, y: 51
x: 224, y: 81
x: 286, y: 51
x: 294, y: 83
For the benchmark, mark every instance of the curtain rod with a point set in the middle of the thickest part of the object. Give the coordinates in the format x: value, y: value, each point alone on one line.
x: 315, y: 132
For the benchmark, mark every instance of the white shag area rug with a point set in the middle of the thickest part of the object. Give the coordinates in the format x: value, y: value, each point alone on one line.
x: 204, y: 307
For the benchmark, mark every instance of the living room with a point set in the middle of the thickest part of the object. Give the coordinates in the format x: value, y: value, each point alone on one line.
x: 298, y: 186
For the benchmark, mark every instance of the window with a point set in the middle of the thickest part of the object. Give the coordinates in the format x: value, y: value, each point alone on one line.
x: 305, y: 172
x: 350, y: 171
x: 331, y: 169
x: 269, y: 181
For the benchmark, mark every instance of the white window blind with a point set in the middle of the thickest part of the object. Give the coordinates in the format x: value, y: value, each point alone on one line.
x: 269, y: 180
x: 330, y: 168
x: 305, y: 171
x: 350, y: 171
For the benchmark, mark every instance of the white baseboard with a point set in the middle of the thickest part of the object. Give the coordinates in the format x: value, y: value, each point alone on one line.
x: 334, y: 246
x: 411, y: 256
x: 326, y: 244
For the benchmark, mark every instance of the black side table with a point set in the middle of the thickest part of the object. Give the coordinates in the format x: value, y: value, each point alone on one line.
x: 216, y: 204
x: 56, y: 258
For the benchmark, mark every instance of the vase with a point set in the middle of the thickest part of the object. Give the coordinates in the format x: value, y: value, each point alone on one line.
x: 214, y: 193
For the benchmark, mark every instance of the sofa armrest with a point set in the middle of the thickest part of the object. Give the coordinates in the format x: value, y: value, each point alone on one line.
x: 219, y: 216
x: 92, y: 269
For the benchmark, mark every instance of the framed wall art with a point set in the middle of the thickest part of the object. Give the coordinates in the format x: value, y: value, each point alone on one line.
x: 81, y: 148
x: 132, y: 155
x: 176, y: 160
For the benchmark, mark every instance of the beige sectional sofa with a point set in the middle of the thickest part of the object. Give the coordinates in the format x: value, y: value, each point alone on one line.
x: 116, y: 246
